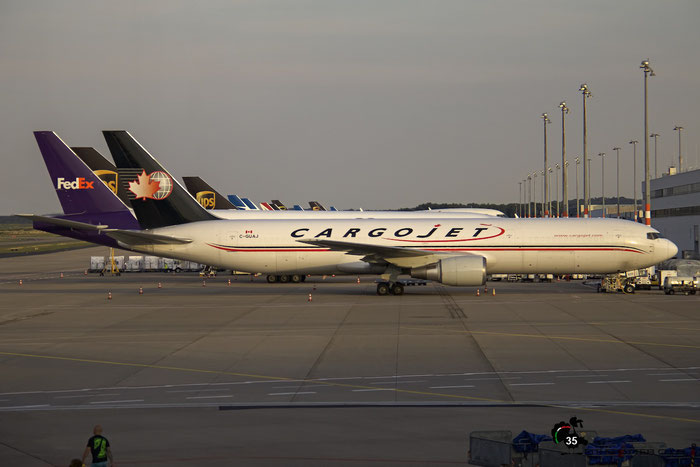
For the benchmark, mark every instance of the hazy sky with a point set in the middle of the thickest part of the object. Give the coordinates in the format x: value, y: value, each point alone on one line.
x: 374, y: 104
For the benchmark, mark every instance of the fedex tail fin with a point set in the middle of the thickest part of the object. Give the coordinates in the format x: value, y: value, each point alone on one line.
x: 238, y: 202
x: 103, y: 168
x: 157, y: 198
x: 208, y: 197
x: 79, y: 190
x: 250, y: 204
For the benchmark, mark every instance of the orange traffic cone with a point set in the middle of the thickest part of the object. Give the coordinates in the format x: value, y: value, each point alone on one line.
x: 477, y: 292
x: 109, y: 295
x: 358, y: 279
x: 310, y: 298
x: 229, y: 282
x: 486, y: 289
x: 85, y: 273
x: 204, y: 283
x: 61, y: 275
x: 20, y: 282
x: 160, y: 286
x: 140, y: 290
x: 493, y: 292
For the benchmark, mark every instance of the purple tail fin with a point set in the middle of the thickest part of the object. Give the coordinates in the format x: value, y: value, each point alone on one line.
x: 79, y: 190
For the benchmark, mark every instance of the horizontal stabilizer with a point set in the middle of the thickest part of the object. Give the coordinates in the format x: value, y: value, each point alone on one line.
x: 63, y: 222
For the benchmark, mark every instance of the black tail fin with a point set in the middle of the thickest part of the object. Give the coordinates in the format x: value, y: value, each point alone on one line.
x: 208, y: 197
x: 278, y: 204
x: 157, y: 198
x: 104, y: 169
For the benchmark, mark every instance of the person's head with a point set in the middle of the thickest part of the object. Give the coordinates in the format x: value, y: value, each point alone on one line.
x: 97, y: 430
x: 76, y: 463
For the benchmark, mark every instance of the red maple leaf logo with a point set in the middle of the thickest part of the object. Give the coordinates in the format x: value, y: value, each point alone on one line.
x: 144, y: 188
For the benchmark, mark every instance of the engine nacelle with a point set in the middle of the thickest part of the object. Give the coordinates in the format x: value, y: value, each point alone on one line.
x: 457, y: 270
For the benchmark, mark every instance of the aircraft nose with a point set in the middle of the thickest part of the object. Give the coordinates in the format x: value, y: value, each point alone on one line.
x: 671, y: 249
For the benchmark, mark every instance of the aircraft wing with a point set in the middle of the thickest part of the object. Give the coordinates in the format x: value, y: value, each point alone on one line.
x: 63, y: 222
x: 401, y: 257
x: 134, y: 237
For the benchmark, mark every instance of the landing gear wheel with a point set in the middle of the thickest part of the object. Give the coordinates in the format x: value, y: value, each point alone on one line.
x: 671, y: 291
x: 628, y: 288
x: 296, y: 278
x: 283, y: 279
x: 397, y: 289
x: 382, y: 288
x: 271, y: 279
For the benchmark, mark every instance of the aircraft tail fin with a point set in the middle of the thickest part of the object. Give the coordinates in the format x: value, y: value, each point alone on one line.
x: 238, y: 202
x: 104, y: 169
x: 316, y: 206
x: 278, y: 204
x: 207, y: 196
x: 79, y: 190
x: 296, y: 207
x: 250, y: 204
x: 157, y: 198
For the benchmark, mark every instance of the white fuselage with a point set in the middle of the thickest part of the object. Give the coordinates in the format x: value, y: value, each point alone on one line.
x: 509, y: 245
x: 236, y: 214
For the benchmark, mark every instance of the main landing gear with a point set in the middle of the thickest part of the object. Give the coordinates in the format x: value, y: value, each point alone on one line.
x: 294, y: 278
x: 386, y: 288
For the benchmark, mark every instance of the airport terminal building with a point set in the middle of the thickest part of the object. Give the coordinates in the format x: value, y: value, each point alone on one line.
x: 675, y: 209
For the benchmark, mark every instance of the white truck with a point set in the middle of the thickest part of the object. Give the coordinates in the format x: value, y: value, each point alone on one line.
x: 680, y: 284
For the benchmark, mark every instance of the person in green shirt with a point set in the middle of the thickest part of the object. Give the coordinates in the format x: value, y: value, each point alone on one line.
x: 98, y: 446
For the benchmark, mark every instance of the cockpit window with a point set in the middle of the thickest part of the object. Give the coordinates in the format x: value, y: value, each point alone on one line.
x: 654, y: 235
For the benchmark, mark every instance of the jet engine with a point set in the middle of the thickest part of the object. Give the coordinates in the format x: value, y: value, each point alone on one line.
x: 457, y: 270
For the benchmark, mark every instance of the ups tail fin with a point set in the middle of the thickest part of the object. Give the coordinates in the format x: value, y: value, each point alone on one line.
x: 103, y: 168
x: 157, y: 198
x: 205, y: 195
x: 79, y: 190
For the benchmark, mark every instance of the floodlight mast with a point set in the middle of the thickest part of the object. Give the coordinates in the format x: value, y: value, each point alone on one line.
x: 586, y: 94
x: 648, y: 71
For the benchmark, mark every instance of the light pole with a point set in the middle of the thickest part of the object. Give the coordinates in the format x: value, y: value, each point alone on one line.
x: 524, y: 197
x: 534, y: 191
x: 564, y: 179
x: 529, y: 196
x: 565, y: 173
x: 549, y: 181
x: 520, y: 199
x: 617, y: 150
x: 656, y: 158
x: 634, y: 174
x: 680, y: 154
x: 602, y: 183
x: 586, y: 93
x: 545, y: 122
x: 542, y: 173
x: 647, y: 192
x: 588, y: 185
x: 578, y: 208
x: 556, y: 185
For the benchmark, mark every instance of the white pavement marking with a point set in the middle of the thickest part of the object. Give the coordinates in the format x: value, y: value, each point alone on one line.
x: 200, y: 390
x: 73, y: 397
x: 530, y: 384
x: 369, y: 390
x: 665, y: 374
x: 680, y: 379
x: 116, y: 402
x: 579, y: 376
x: 400, y: 382
x: 448, y: 387
x: 604, y: 382
x: 494, y: 378
x: 207, y: 397
x: 25, y: 406
x: 290, y: 393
